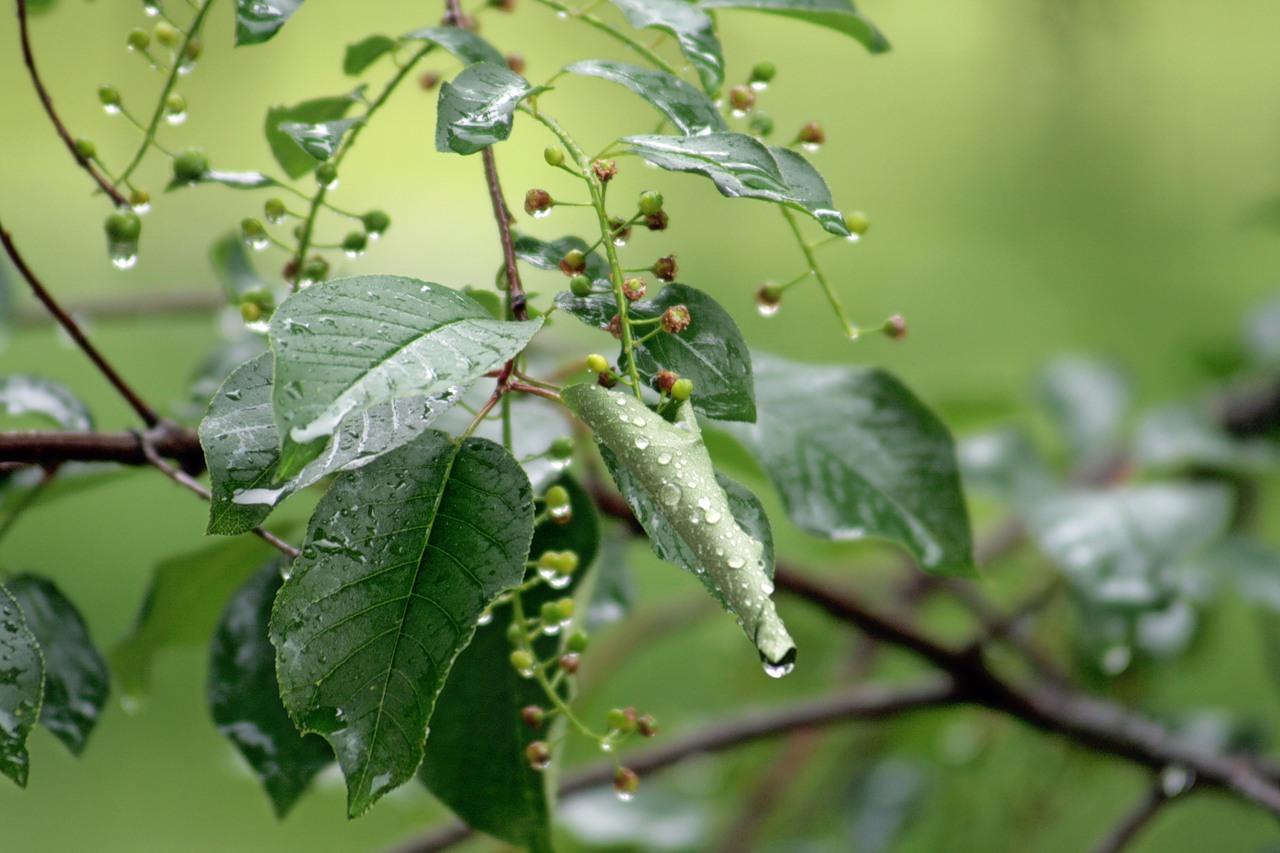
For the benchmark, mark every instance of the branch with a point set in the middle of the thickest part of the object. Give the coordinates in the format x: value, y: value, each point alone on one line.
x: 53, y: 448
x: 862, y: 703
x: 1134, y: 821
x: 29, y: 59
x: 145, y: 412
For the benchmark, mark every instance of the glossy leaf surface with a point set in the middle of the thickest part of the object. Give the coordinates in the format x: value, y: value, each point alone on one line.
x: 839, y: 15
x: 692, y: 27
x: 691, y: 111
x: 320, y: 140
x: 468, y: 47
x: 365, y: 52
x: 293, y: 160
x: 259, y: 20
x: 21, y: 683
x: 476, y: 108
x: 25, y: 396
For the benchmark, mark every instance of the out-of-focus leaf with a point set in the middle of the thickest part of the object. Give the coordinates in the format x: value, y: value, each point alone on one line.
x: 244, y: 696
x: 711, y: 351
x: 476, y: 108
x: 214, y: 369
x: 743, y: 167
x: 1006, y: 464
x: 259, y: 20
x: 692, y: 27
x: 293, y: 160
x: 401, y: 559
x: 234, y: 270
x: 1176, y: 437
x: 322, y: 139
x: 547, y: 255
x: 1087, y: 400
x: 854, y: 453
x: 24, y: 396
x: 365, y: 52
x: 659, y: 819
x: 346, y: 345
x: 75, y: 674
x: 665, y: 472
x: 1262, y: 334
x: 612, y: 592
x: 839, y: 15
x: 689, y: 109
x: 21, y: 685
x: 884, y: 800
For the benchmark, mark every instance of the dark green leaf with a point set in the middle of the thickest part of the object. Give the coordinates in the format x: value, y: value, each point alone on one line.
x: 291, y: 158
x: 24, y: 396
x: 1086, y: 399
x: 475, y: 760
x: 401, y: 559
x: 234, y: 270
x: 365, y: 52
x: 689, y: 110
x: 711, y: 351
x: 244, y: 696
x: 692, y: 27
x: 477, y: 107
x: 259, y: 20
x: 346, y: 345
x: 75, y: 675
x: 1006, y: 464
x: 465, y: 45
x: 21, y: 684
x: 742, y: 167
x: 838, y: 15
x: 242, y: 445
x: 320, y: 140
x: 854, y: 453
x: 183, y: 602
x: 666, y: 473
x: 547, y: 255
x: 1179, y: 437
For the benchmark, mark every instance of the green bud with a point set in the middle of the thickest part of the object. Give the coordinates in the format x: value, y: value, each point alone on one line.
x: 190, y: 166
x: 140, y: 200
x: 561, y: 448
x: 316, y: 269
x: 376, y: 222
x: 625, y: 783
x: 682, y: 390
x: 275, y: 210
x: 556, y: 496
x: 565, y: 607
x: 761, y: 124
x: 554, y: 155
x: 326, y: 174
x: 763, y: 72
x: 621, y: 720
x: 86, y: 149
x: 515, y: 634
x: 550, y: 613
x: 650, y: 202
x: 109, y: 96
x: 597, y: 363
x: 580, y: 285
x: 250, y: 311
x: 574, y: 261
x: 175, y: 104
x: 139, y: 39
x: 522, y: 661
x: 577, y: 641
x: 857, y: 222
x: 566, y: 562
x: 252, y: 229
x: 194, y: 49
x: 355, y: 242
x: 123, y: 226
x: 166, y: 34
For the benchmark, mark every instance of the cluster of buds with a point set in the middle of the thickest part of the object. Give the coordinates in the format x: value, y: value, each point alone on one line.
x: 670, y: 384
x: 557, y: 567
x: 604, y: 170
x: 650, y: 207
x: 634, y: 289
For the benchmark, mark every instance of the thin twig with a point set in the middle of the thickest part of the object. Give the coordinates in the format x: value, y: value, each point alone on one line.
x: 1134, y: 821
x: 502, y: 216
x: 72, y: 328
x: 29, y: 59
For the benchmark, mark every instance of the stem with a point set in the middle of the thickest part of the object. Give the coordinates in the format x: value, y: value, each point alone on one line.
x: 29, y: 59
x: 607, y: 28
x: 849, y: 329
x: 152, y: 126
x: 1134, y: 820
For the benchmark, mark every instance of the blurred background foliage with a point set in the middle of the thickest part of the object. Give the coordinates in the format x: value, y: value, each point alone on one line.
x: 1043, y: 176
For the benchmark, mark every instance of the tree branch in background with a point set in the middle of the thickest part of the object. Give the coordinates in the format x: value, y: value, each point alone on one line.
x: 1134, y: 820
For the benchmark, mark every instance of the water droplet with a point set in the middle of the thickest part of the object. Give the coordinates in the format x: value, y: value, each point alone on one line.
x: 1115, y: 659
x: 811, y: 147
x: 485, y: 618
x: 767, y: 309
x: 853, y: 238
x: 739, y: 113
x: 142, y: 209
x: 778, y: 670
x: 257, y: 243
x: 624, y: 796
x: 542, y: 214
x: 561, y: 511
x: 124, y: 255
x: 669, y: 494
x: 759, y: 85
x: 736, y: 562
x: 176, y: 118
x: 713, y: 516
x: 353, y: 253
x: 111, y: 109
x: 186, y: 67
x: 641, y: 442
x: 664, y: 458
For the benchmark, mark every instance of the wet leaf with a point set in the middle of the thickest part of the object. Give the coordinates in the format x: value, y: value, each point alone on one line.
x: 21, y: 684
x: 401, y: 558
x: 244, y: 696
x: 259, y: 20
x: 689, y: 109
x: 27, y: 396
x: 711, y: 351
x: 346, y: 345
x: 692, y: 27
x: 293, y: 160
x: 476, y: 108
x: 1178, y: 437
x: 839, y: 15
x: 75, y: 674
x: 546, y: 255
x: 320, y: 140
x: 234, y: 270
x: 1006, y: 464
x: 468, y: 47
x: 742, y: 167
x: 855, y: 454
x: 666, y: 473
x: 1086, y: 399
x: 365, y: 52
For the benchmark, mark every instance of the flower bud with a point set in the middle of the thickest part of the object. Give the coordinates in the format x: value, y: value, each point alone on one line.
x: 676, y: 319
x: 619, y: 230
x: 375, y: 222
x: 190, y: 166
x: 561, y: 448
x: 549, y: 613
x: 857, y: 222
x: 634, y: 289
x: 316, y: 269
x: 621, y: 720
x: 573, y: 262
x: 139, y: 39
x: 625, y: 783
x: 85, y: 149
x: 615, y: 326
x: 742, y: 99
x: 251, y: 311
x: 570, y: 662
x: 193, y: 50
x: 537, y: 202
x: 175, y: 104
x: 650, y: 202
x: 896, y: 327
x: 523, y: 662
x: 597, y: 363
x: 811, y: 134
x: 580, y: 285
x: 354, y: 243
x: 533, y: 716
x: 109, y: 96
x: 763, y: 72
x: 682, y: 390
x: 554, y: 155
x: 646, y: 725
x: 275, y: 210
x: 326, y: 174
x: 140, y: 201
x: 429, y: 80
x: 564, y: 609
x: 577, y: 641
x: 538, y: 755
x: 665, y: 268
x: 556, y: 496
x: 606, y: 380
x: 761, y: 124
x: 768, y: 299
x: 123, y: 226
x: 657, y: 221
x: 665, y: 380
x: 166, y: 34
x: 289, y: 272
x: 252, y: 230
x: 515, y: 62
x: 604, y: 170
x: 515, y: 634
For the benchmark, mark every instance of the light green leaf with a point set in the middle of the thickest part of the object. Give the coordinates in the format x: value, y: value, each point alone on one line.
x: 1006, y: 464
x: 401, y: 559
x: 75, y: 674
x: 689, y: 110
x: 244, y: 696
x: 21, y: 686
x: 1178, y: 437
x: 25, y: 396
x: 468, y: 47
x: 320, y: 140
x: 365, y: 52
x: 742, y: 167
x: 1086, y: 399
x: 346, y: 345
x: 291, y: 158
x: 839, y: 15
x: 854, y: 453
x: 259, y: 20
x: 692, y: 27
x: 686, y: 511
x: 476, y: 108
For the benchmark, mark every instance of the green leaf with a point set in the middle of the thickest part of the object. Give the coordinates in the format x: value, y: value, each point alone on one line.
x: 742, y: 167
x: 242, y: 445
x: 689, y: 109
x: 1262, y: 334
x: 547, y: 255
x: 244, y: 696
x: 1180, y: 437
x: 346, y: 345
x: 475, y: 762
x: 612, y: 590
x: 854, y: 453
x: 75, y: 674
x: 25, y: 396
x: 1006, y: 464
x: 320, y: 140
x: 293, y: 160
x: 234, y: 270
x: 21, y: 685
x: 259, y: 20
x: 692, y: 27
x: 183, y: 603
x: 234, y: 180
x: 666, y: 473
x: 1086, y: 399
x: 839, y: 15
x: 1119, y: 546
x: 468, y: 47
x: 476, y: 109
x: 711, y: 351
x: 224, y: 357
x: 401, y: 559
x: 365, y: 52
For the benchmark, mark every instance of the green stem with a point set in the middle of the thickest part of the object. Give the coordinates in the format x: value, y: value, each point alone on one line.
x: 517, y: 615
x: 849, y: 329
x: 150, y: 136
x: 605, y: 27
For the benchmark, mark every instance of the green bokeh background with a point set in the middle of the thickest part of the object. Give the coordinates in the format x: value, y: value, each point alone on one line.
x: 1042, y: 175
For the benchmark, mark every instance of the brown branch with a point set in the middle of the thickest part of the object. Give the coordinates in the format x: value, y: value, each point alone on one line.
x: 72, y: 328
x: 51, y: 448
x: 862, y: 703
x: 502, y: 216
x: 29, y: 59
x: 1134, y: 821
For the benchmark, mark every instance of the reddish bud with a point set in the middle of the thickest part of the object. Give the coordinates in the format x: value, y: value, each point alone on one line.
x: 615, y: 326
x: 665, y: 380
x: 538, y: 754
x: 676, y: 319
x: 606, y: 380
x: 537, y: 201
x: 657, y: 221
x: 634, y: 288
x: 604, y: 170
x: 429, y: 80
x: 570, y: 661
x: 515, y: 62
x: 811, y: 134
x: 626, y: 783
x: 896, y: 327
x: 742, y: 98
x: 666, y: 268
x: 620, y: 230
x: 646, y: 725
x: 533, y: 716
x: 573, y: 262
